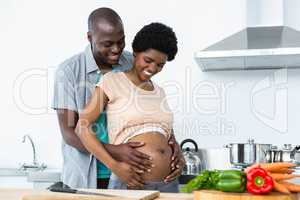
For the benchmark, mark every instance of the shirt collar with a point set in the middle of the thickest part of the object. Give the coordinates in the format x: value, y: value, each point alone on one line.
x: 92, y: 65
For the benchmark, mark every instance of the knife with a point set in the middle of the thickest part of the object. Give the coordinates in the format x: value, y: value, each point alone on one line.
x: 74, y: 191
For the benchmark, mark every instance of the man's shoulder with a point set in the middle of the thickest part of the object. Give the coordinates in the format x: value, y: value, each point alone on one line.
x: 127, y: 58
x: 127, y: 55
x: 72, y: 64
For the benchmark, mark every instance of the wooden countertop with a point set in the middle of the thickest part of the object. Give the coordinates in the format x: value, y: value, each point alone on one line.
x: 17, y: 194
x: 177, y: 196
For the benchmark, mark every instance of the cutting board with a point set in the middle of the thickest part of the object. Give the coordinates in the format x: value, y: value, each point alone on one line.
x: 120, y: 195
x: 217, y: 195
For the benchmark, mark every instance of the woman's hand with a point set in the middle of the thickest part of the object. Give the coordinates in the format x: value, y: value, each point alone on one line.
x: 177, y: 162
x: 176, y: 171
x: 128, y: 174
x: 176, y: 152
x: 128, y: 154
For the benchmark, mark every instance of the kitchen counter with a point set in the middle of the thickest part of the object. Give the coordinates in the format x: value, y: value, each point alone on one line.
x: 31, y: 178
x: 17, y: 194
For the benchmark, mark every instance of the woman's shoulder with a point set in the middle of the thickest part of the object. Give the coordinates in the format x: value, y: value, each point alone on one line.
x: 112, y: 75
x: 159, y: 89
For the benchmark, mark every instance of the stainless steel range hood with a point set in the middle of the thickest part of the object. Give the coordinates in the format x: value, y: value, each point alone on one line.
x: 257, y: 47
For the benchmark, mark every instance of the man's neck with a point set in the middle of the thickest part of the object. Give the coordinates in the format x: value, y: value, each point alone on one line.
x: 104, y: 68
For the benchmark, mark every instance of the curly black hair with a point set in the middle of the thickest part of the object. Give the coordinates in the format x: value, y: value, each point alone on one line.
x: 156, y: 36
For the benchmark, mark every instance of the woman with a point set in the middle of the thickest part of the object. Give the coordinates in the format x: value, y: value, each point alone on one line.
x: 136, y: 111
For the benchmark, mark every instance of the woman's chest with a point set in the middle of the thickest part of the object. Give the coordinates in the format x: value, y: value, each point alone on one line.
x: 134, y: 107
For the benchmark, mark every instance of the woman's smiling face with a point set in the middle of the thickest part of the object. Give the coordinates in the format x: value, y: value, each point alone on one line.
x: 148, y: 63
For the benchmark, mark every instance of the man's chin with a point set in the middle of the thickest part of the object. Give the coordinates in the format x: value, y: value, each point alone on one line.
x: 113, y: 62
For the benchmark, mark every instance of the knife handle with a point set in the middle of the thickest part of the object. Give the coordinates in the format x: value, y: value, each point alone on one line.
x: 65, y: 190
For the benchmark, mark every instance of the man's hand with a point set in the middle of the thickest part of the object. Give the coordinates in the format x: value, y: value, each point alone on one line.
x: 128, y: 154
x: 177, y: 160
x: 128, y: 174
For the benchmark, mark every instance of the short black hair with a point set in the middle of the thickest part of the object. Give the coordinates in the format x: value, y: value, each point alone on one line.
x: 156, y: 36
x: 105, y: 14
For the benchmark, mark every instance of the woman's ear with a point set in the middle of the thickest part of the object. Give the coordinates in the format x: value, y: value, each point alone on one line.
x: 134, y: 54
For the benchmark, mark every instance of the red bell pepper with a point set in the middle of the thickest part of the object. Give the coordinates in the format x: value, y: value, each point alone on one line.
x: 259, y: 182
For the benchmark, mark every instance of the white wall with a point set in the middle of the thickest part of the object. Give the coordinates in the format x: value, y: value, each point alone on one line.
x: 265, y: 12
x: 291, y: 14
x: 37, y: 35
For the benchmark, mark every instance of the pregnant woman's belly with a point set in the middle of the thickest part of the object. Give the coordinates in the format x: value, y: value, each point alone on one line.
x: 156, y: 146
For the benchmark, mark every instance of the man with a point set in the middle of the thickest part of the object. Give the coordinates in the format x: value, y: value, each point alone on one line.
x: 74, y: 83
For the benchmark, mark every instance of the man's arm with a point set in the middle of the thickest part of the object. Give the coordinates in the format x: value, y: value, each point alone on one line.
x: 67, y: 120
x: 124, y: 152
x: 65, y: 104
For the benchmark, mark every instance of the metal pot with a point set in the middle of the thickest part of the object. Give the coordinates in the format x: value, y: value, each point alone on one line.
x: 263, y: 153
x: 295, y: 154
x: 193, y: 161
x: 242, y: 154
x: 273, y: 154
x: 286, y: 154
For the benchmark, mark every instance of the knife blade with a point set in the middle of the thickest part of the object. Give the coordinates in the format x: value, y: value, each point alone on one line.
x: 74, y: 191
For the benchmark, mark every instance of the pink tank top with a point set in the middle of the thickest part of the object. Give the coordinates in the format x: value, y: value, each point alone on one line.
x: 131, y: 109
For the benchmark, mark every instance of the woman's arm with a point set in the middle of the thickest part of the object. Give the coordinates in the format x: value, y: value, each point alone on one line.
x: 84, y: 127
x: 88, y: 137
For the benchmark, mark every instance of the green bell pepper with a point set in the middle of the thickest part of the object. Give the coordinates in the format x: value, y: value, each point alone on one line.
x: 231, y: 181
x: 222, y: 180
